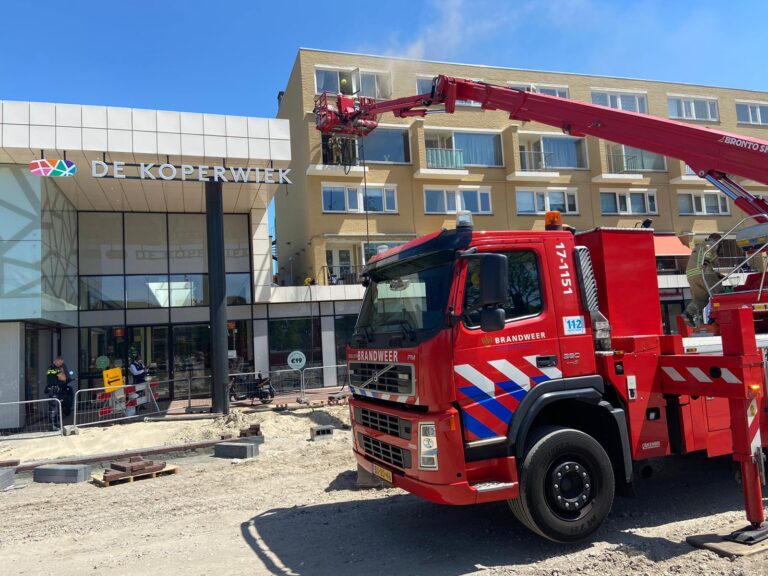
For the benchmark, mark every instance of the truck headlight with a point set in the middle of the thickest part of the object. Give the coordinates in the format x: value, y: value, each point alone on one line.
x: 427, y: 446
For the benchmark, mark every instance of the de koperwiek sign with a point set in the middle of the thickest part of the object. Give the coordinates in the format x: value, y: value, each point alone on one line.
x: 189, y: 172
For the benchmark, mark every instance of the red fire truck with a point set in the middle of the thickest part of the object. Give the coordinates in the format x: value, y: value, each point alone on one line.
x: 531, y: 366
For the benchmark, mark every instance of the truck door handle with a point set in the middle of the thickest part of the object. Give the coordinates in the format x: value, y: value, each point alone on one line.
x: 546, y: 361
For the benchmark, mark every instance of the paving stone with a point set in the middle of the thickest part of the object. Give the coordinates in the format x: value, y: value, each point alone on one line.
x: 240, y: 450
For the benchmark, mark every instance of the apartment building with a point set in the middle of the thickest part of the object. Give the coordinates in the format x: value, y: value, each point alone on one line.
x: 410, y: 176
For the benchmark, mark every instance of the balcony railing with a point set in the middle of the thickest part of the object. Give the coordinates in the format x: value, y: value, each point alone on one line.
x: 535, y: 161
x: 340, y: 275
x: 622, y: 163
x: 445, y: 158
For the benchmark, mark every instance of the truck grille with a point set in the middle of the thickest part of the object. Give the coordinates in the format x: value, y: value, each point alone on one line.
x: 396, y: 380
x: 382, y: 422
x: 385, y: 452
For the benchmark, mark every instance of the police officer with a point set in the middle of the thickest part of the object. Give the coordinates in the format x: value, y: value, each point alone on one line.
x: 57, y: 386
x: 701, y: 273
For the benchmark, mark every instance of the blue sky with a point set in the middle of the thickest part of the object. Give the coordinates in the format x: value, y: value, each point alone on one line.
x: 232, y: 57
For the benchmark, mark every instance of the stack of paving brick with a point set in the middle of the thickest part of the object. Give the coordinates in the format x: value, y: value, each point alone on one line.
x: 253, y: 430
x: 134, y: 466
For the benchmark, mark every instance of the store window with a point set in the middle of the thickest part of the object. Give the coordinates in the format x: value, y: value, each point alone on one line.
x: 238, y: 289
x: 102, y: 293
x: 188, y: 248
x: 147, y: 291
x: 236, y: 243
x: 146, y: 243
x: 189, y: 290
x: 288, y: 334
x: 344, y: 327
x: 101, y: 346
x: 100, y: 244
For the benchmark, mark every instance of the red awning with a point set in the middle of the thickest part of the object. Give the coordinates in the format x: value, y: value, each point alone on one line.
x: 670, y: 245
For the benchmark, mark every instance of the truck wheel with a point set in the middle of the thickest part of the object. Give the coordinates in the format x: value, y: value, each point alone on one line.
x: 566, y: 485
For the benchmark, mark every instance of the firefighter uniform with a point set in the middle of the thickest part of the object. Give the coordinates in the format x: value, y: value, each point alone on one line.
x: 701, y: 273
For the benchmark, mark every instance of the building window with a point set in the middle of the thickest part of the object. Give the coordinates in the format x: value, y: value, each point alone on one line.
x: 549, y: 90
x: 524, y: 295
x: 386, y: 145
x: 543, y: 153
x: 350, y: 198
x: 628, y: 202
x: 381, y: 145
x: 334, y: 81
x: 369, y: 84
x: 424, y: 85
x: 752, y: 113
x: 375, y: 85
x: 480, y: 149
x: 628, y: 101
x: 448, y: 201
x: 691, y: 203
x: 542, y: 201
x: 691, y: 108
x: 102, y: 293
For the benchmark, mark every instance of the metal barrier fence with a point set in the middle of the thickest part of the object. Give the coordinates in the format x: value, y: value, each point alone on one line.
x: 30, y: 419
x: 127, y: 402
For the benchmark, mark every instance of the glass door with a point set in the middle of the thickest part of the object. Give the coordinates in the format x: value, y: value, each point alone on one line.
x: 152, y: 343
x: 192, y: 357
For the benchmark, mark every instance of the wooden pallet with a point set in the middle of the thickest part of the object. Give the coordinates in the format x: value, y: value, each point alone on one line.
x: 106, y: 483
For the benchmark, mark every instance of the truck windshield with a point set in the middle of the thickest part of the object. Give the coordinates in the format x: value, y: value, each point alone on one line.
x: 408, y: 296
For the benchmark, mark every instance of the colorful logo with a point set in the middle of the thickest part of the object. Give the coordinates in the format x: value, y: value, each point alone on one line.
x: 52, y: 167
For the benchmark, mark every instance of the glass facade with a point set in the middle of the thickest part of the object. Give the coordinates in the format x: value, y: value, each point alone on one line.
x: 289, y: 334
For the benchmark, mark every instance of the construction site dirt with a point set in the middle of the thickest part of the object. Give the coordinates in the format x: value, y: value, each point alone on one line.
x: 294, y: 509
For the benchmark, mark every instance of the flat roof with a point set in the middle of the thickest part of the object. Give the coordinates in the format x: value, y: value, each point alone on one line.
x: 83, y: 134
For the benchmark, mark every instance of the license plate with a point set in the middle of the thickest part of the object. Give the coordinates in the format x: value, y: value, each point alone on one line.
x: 382, y: 473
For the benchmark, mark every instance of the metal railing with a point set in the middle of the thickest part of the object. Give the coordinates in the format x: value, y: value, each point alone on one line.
x: 127, y: 402
x: 535, y: 161
x: 335, y: 275
x: 30, y: 419
x: 445, y: 158
x: 623, y: 163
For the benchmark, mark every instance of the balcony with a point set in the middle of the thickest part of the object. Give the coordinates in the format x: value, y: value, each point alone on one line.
x: 340, y: 275
x: 634, y: 163
x: 445, y: 158
x: 531, y: 161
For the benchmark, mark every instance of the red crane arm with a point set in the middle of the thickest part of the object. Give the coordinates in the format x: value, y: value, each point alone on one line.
x: 712, y: 154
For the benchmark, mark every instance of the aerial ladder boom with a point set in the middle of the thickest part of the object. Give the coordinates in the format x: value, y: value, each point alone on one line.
x: 713, y: 155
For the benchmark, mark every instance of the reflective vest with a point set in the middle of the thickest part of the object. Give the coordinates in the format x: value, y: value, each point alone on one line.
x: 700, y: 260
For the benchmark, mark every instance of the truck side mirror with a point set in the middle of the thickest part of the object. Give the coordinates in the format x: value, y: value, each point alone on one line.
x: 492, y: 319
x: 494, y: 282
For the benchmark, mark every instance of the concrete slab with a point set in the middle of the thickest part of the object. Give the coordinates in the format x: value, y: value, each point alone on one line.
x: 62, y: 473
x: 7, y: 477
x: 239, y: 450
x: 717, y: 543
